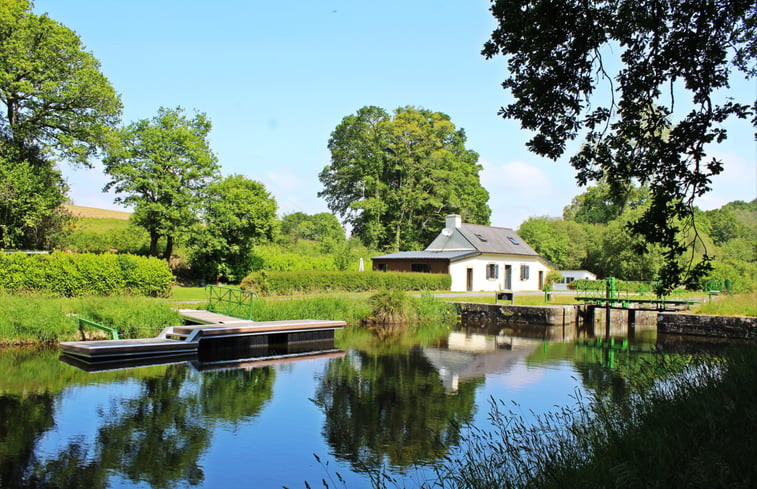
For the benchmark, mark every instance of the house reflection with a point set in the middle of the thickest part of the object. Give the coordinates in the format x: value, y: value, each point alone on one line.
x: 470, y: 356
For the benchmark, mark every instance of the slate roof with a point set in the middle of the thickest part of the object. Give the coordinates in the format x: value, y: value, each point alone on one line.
x: 488, y: 239
x: 427, y: 255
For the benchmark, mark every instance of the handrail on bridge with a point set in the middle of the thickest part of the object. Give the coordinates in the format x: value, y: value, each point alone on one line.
x: 230, y: 301
x: 612, y: 291
x: 87, y: 322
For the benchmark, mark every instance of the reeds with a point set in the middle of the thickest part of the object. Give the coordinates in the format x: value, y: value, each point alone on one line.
x: 692, y: 429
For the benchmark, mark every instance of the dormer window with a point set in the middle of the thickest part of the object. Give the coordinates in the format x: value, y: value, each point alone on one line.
x: 513, y: 240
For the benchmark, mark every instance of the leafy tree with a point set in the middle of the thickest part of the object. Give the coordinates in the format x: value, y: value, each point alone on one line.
x: 162, y: 166
x: 316, y: 227
x: 239, y: 213
x: 55, y: 103
x: 394, y: 178
x: 601, y: 203
x: 52, y: 91
x: 31, y: 195
x: 725, y: 226
x: 557, y: 52
x: 564, y: 243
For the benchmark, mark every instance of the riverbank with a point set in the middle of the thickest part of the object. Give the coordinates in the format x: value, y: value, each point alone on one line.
x: 31, y: 319
x: 693, y: 430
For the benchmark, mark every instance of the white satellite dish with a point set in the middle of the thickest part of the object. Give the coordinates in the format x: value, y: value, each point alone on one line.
x: 447, y: 232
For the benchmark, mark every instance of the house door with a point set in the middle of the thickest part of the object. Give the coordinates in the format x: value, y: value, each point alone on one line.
x: 541, y: 279
x: 508, y: 277
x: 469, y: 280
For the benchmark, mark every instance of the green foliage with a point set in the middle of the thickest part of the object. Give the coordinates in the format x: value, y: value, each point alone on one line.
x: 162, y: 167
x: 103, y: 235
x: 730, y: 305
x: 333, y: 308
x: 54, y: 96
x: 552, y: 277
x: 239, y: 212
x: 34, y: 318
x: 390, y: 306
x: 319, y: 281
x: 564, y: 243
x: 30, y: 199
x: 628, y: 52
x: 624, y: 441
x: 277, y: 258
x: 395, y: 178
x: 319, y: 227
x: 70, y: 275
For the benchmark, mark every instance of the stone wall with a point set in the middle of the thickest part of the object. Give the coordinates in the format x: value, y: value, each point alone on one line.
x: 713, y: 326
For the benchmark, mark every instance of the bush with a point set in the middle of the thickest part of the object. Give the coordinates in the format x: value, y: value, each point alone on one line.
x: 322, y: 281
x: 72, y: 275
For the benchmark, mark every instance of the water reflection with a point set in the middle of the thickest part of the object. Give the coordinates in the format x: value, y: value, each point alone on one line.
x: 391, y: 408
x: 472, y: 356
x: 160, y: 426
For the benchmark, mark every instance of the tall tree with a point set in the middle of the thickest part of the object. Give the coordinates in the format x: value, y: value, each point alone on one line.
x: 54, y: 103
x: 668, y: 51
x: 394, y: 178
x: 321, y: 226
x: 53, y: 93
x: 162, y: 166
x: 238, y: 213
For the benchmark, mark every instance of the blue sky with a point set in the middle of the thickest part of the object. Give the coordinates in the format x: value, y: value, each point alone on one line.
x: 276, y: 78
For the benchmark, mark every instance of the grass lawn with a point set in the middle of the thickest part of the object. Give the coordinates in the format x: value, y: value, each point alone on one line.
x: 729, y: 305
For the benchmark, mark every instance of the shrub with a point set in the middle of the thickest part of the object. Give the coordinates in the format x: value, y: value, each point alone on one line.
x: 71, y: 274
x: 272, y: 282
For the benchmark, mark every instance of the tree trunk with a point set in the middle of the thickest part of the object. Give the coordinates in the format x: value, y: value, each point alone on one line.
x: 169, y: 247
x: 154, y: 236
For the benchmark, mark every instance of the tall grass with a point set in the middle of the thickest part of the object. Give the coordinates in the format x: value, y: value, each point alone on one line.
x: 733, y: 305
x: 41, y: 319
x: 694, y: 429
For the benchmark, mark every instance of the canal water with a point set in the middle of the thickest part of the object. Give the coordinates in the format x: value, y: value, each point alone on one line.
x: 346, y: 413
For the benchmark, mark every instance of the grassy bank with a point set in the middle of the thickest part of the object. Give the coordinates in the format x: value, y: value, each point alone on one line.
x: 693, y: 430
x: 730, y: 305
x: 30, y: 318
x: 41, y: 319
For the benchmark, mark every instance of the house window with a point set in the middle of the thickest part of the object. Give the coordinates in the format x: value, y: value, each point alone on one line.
x: 513, y: 240
x: 492, y: 271
x: 524, y: 272
x: 420, y: 267
x: 383, y: 267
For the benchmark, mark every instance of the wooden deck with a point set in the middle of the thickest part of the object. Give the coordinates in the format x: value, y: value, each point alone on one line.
x: 183, y: 340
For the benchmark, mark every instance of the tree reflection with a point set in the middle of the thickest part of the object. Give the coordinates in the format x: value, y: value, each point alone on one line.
x: 155, y: 437
x: 391, y: 407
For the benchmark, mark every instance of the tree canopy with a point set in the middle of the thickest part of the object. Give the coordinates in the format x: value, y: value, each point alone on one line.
x: 54, y: 96
x: 393, y: 178
x: 321, y: 226
x: 238, y: 213
x: 54, y: 103
x: 161, y: 167
x: 671, y: 55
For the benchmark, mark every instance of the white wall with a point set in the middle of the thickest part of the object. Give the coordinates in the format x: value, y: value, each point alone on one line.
x: 458, y: 271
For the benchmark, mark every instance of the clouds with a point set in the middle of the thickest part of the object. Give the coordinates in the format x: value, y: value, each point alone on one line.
x: 519, y: 190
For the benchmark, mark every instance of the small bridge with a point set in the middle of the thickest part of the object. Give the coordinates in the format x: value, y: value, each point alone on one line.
x: 612, y: 292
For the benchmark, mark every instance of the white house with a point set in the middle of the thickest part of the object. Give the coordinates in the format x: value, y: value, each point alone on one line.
x: 569, y: 276
x: 478, y: 258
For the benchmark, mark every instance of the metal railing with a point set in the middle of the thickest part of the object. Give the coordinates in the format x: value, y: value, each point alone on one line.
x: 230, y: 301
x: 87, y: 322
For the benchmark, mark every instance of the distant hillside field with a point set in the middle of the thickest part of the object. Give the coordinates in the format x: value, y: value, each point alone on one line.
x: 81, y: 211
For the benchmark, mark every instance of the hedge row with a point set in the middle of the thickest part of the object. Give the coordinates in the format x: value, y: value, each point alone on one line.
x: 270, y: 282
x: 73, y: 275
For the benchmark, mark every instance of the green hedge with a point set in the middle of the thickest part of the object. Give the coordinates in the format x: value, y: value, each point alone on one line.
x: 321, y: 281
x: 73, y: 275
